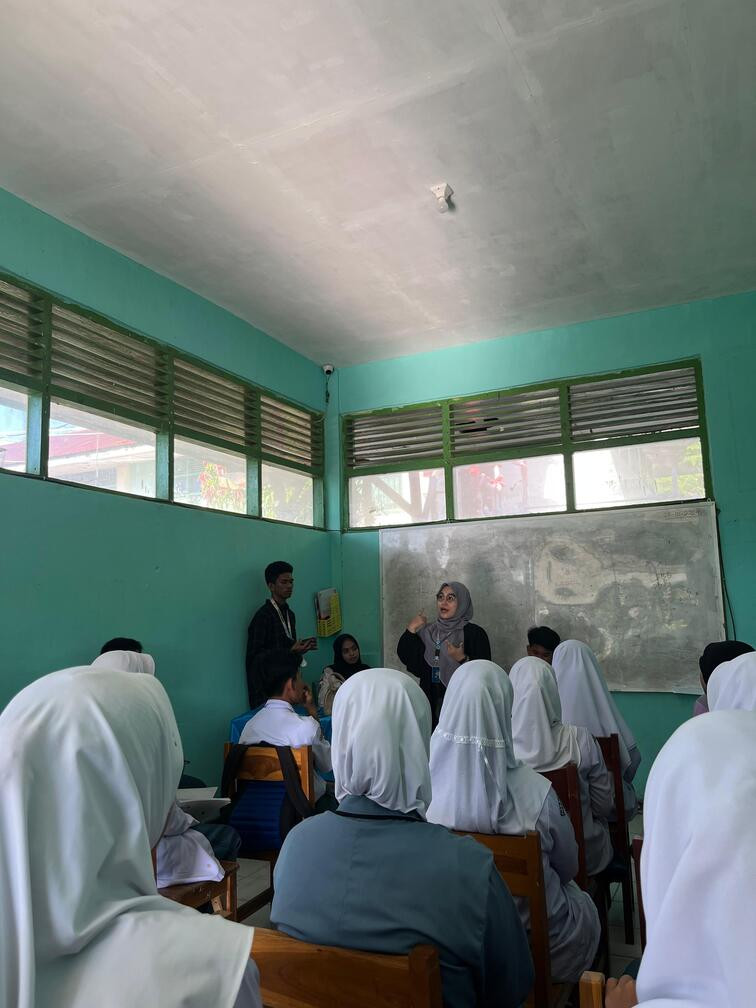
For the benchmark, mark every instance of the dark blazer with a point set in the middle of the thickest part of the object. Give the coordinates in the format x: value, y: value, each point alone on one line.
x: 411, y: 652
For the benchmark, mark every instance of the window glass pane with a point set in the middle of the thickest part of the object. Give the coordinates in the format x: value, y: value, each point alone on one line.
x: 13, y: 410
x: 639, y: 474
x: 511, y: 487
x: 286, y: 495
x: 402, y: 498
x: 209, y: 477
x: 101, y: 452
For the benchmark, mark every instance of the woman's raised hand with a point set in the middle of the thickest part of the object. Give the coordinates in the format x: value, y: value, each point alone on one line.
x: 419, y: 621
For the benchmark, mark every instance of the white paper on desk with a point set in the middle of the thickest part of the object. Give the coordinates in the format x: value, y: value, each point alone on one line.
x: 195, y: 794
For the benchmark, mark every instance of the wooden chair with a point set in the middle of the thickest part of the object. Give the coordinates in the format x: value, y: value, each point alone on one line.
x: 295, y: 974
x: 637, y: 847
x: 260, y: 763
x: 619, y: 832
x: 566, y: 783
x: 221, y: 895
x: 592, y: 990
x: 518, y: 860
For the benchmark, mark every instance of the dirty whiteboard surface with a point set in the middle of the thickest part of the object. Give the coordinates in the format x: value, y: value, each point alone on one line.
x: 641, y: 586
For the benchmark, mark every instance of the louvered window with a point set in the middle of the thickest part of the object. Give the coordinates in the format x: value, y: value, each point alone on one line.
x: 389, y: 438
x: 107, y: 369
x: 499, y: 423
x: 643, y: 404
x: 212, y: 408
x: 21, y: 340
x: 290, y: 435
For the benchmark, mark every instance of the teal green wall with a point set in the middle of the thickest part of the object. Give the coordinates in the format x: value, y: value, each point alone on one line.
x: 721, y: 332
x: 66, y: 262
x: 78, y: 566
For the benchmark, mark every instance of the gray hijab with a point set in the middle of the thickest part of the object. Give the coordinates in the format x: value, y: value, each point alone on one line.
x: 436, y: 634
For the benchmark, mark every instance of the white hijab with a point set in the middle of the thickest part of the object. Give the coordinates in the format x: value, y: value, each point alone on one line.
x: 585, y: 697
x: 183, y: 855
x: 478, y: 784
x: 381, y: 737
x: 126, y: 661
x: 698, y: 866
x: 89, y: 763
x: 540, y: 738
x: 732, y: 685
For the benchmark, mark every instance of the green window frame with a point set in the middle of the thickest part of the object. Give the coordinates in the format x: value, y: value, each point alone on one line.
x: 539, y: 405
x: 45, y: 353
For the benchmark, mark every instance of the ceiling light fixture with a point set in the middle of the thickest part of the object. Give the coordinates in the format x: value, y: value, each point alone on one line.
x: 443, y: 193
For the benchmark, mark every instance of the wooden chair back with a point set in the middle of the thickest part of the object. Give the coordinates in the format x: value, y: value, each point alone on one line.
x: 260, y: 763
x: 609, y: 746
x: 518, y: 861
x: 592, y: 990
x: 566, y: 783
x: 637, y: 848
x: 220, y: 895
x: 295, y: 974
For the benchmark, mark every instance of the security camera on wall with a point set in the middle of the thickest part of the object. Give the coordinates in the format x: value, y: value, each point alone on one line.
x: 328, y: 369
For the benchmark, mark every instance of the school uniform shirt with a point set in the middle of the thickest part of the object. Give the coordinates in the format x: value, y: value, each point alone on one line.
x: 278, y: 724
x: 385, y: 881
x: 473, y: 744
x: 267, y: 630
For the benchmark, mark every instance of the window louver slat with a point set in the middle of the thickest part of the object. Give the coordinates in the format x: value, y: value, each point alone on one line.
x: 207, y: 405
x: 394, y: 437
x: 21, y: 336
x: 112, y: 369
x: 504, y: 422
x: 290, y: 434
x: 643, y: 404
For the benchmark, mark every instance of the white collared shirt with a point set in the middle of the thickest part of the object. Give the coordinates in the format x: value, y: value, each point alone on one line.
x: 280, y: 725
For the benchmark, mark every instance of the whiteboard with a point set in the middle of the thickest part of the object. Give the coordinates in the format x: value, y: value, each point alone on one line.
x: 641, y: 586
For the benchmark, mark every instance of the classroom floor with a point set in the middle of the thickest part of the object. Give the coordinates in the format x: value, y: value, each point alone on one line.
x: 253, y: 878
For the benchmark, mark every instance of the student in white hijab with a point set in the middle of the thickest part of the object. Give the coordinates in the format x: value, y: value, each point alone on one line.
x: 586, y: 701
x: 89, y: 763
x: 183, y: 854
x: 732, y: 685
x: 543, y: 742
x: 385, y: 879
x: 698, y: 869
x: 479, y: 786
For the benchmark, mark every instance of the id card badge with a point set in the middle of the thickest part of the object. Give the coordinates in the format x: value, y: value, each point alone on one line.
x: 436, y: 669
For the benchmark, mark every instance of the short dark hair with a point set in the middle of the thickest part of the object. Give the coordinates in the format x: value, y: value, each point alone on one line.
x: 272, y: 670
x: 122, y: 644
x: 718, y: 652
x: 544, y: 637
x: 274, y: 571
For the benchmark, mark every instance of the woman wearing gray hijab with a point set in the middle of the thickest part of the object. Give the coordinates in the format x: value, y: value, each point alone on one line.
x: 434, y: 651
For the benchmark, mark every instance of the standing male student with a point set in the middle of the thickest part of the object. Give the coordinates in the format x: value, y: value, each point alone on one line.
x: 273, y: 627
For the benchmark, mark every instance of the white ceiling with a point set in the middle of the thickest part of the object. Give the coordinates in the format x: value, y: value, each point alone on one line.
x: 276, y: 155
